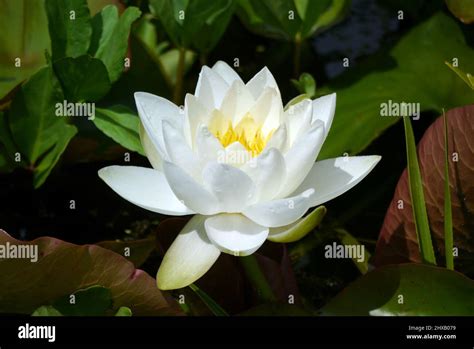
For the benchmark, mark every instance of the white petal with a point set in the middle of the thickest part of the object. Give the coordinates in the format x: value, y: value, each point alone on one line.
x: 151, y: 153
x: 192, y: 193
x: 210, y: 88
x: 179, y: 151
x: 235, y: 234
x: 152, y: 111
x: 231, y: 186
x: 301, y: 156
x: 207, y: 145
x: 262, y: 79
x: 226, y: 72
x: 277, y: 213
x: 333, y: 177
x: 268, y: 172
x: 195, y: 113
x: 298, y: 117
x: 268, y: 110
x: 236, y: 102
x: 279, y: 139
x: 235, y: 154
x: 323, y: 109
x: 189, y: 257
x: 144, y: 187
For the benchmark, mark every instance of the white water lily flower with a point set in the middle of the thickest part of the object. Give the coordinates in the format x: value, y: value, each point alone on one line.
x: 238, y: 161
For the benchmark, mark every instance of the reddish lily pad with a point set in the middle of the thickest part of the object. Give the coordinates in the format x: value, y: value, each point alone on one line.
x: 62, y: 268
x: 397, y: 241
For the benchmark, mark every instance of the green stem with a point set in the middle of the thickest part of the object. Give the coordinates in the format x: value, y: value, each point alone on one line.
x: 216, y: 309
x: 257, y: 278
x: 417, y: 196
x: 448, y: 219
x: 178, y: 87
x: 297, y: 56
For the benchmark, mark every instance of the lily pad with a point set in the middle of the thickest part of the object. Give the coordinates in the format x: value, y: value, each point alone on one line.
x: 407, y: 290
x: 413, y: 71
x: 63, y: 268
x: 397, y: 240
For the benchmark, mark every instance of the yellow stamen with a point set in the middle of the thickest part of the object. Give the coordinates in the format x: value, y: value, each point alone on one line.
x: 247, y: 132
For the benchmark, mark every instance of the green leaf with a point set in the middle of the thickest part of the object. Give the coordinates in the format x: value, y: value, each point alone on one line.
x: 46, y: 310
x: 138, y: 250
x: 397, y: 241
x: 50, y: 159
x: 466, y: 77
x: 91, y: 301
x: 24, y: 29
x: 462, y: 9
x: 298, y: 229
x: 63, y: 268
x: 7, y: 146
x: 290, y: 19
x: 347, y: 239
x: 196, y: 24
x: 305, y: 85
x: 406, y: 290
x: 124, y: 311
x: 120, y: 124
x: 165, y: 58
x: 417, y: 196
x: 399, y: 77
x: 448, y: 214
x: 211, y: 304
x: 111, y: 38
x: 103, y: 24
x: 40, y: 135
x: 70, y: 27
x: 83, y: 78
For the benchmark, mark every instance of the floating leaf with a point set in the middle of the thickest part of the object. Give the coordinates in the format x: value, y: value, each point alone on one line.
x: 399, y: 77
x: 124, y: 311
x: 397, y: 240
x: 91, y: 301
x: 46, y: 310
x: 406, y: 290
x: 136, y: 251
x: 63, y: 268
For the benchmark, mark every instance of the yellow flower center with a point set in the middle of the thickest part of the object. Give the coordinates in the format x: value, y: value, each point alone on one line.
x: 247, y: 132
